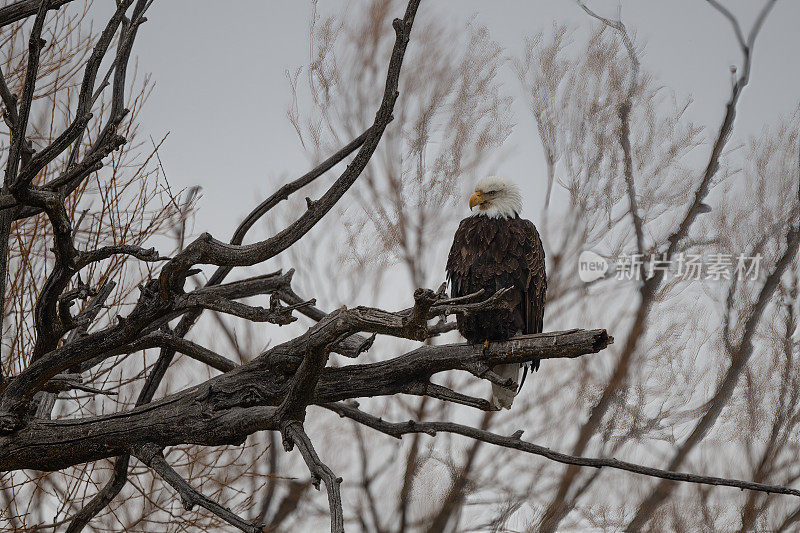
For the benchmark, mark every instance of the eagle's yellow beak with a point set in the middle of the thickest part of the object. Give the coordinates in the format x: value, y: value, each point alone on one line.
x: 476, y: 199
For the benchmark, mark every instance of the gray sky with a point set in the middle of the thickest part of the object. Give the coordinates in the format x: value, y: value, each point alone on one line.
x: 221, y: 86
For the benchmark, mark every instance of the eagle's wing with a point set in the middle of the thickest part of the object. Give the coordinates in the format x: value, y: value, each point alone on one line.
x: 463, y: 253
x: 535, y: 288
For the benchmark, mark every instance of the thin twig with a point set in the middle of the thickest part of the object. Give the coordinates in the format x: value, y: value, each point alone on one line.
x: 398, y: 429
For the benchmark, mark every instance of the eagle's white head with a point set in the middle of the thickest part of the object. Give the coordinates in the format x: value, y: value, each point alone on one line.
x: 496, y: 197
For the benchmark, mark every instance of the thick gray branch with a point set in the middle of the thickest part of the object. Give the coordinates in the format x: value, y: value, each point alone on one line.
x: 227, y: 408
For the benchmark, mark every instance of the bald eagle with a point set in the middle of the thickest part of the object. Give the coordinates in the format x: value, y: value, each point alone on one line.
x: 494, y: 249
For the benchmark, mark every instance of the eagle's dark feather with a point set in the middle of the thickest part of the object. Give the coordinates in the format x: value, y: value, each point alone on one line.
x: 492, y: 254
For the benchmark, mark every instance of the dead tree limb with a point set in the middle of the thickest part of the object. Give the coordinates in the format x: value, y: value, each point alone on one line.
x: 227, y: 408
x: 295, y: 435
x: 398, y: 429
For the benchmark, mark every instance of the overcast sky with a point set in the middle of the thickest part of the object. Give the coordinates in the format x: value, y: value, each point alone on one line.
x: 221, y: 88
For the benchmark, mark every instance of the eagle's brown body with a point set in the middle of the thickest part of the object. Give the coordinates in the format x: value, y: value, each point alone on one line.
x: 492, y: 254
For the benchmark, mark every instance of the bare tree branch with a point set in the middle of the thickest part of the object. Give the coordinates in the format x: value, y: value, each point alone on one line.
x: 398, y: 429
x: 697, y: 207
x: 102, y: 498
x: 151, y: 456
x: 624, y: 111
x: 24, y: 9
x: 210, y: 251
x: 295, y: 435
x: 245, y: 399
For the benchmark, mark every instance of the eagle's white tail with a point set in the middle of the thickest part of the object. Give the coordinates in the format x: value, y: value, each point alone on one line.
x: 501, y: 396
